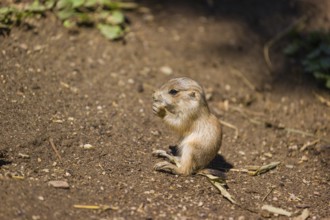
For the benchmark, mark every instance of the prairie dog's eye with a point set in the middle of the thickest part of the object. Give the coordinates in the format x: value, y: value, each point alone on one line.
x: 173, y: 92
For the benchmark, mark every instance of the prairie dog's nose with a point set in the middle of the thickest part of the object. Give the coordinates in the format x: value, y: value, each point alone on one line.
x: 156, y: 96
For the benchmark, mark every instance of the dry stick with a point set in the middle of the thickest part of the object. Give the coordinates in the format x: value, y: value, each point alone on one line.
x: 289, y: 130
x: 54, y: 148
x: 278, y: 36
x: 243, y: 78
x: 270, y: 191
x: 309, y: 144
x: 230, y: 126
x: 322, y: 99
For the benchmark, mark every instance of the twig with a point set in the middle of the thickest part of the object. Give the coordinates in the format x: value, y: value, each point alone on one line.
x: 289, y: 130
x: 54, y: 148
x: 322, y: 99
x: 230, y: 126
x: 243, y: 78
x: 245, y: 111
x: 270, y: 191
x: 278, y: 36
x: 309, y: 144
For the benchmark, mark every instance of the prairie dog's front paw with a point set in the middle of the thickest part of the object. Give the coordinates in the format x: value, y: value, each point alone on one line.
x: 158, y: 109
x: 159, y: 153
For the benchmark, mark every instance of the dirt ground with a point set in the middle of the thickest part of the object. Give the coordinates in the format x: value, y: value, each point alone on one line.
x: 78, y: 88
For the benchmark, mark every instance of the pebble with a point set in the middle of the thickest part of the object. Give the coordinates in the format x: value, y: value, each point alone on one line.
x: 24, y: 156
x: 166, y: 70
x: 88, y: 146
x: 59, y: 184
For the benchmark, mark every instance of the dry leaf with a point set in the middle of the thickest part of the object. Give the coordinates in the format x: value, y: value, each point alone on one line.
x: 257, y: 170
x: 219, y: 184
x: 276, y: 210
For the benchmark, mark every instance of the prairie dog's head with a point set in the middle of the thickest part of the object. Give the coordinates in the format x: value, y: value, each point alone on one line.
x: 181, y: 97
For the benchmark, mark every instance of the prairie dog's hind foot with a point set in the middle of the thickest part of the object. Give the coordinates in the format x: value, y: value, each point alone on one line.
x: 166, y: 167
x: 164, y: 154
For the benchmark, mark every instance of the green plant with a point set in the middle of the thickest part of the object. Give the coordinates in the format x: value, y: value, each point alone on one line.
x: 313, y: 50
x: 106, y: 15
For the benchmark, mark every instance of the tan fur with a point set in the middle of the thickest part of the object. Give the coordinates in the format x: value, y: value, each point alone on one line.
x: 187, y: 113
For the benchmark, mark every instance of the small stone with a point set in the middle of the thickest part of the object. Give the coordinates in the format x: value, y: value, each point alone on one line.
x: 24, y: 156
x: 39, y: 160
x: 241, y: 152
x: 36, y: 217
x: 131, y: 81
x: 269, y: 155
x: 289, y: 166
x: 41, y: 198
x: 304, y: 158
x: 241, y: 218
x: 155, y: 133
x: 166, y: 70
x: 293, y: 147
x: 88, y: 146
x: 59, y: 184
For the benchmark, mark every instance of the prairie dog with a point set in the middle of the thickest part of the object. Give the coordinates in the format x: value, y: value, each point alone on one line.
x: 182, y: 105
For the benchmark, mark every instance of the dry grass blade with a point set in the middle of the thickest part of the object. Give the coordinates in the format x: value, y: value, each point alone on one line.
x: 54, y: 148
x: 303, y: 216
x: 247, y: 82
x: 95, y: 207
x: 279, y: 36
x: 220, y: 185
x: 254, y: 170
x: 309, y: 144
x: 276, y: 210
x: 18, y: 177
x: 322, y: 99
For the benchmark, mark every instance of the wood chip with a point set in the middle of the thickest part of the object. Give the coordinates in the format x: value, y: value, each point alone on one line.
x: 59, y: 184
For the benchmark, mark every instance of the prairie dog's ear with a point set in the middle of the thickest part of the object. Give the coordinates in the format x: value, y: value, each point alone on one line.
x: 192, y: 94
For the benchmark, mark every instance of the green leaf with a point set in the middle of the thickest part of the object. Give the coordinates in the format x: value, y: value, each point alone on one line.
x: 83, y: 18
x: 111, y: 32
x: 315, y: 53
x: 49, y: 4
x: 65, y: 14
x: 324, y: 77
x: 117, y: 17
x: 36, y: 7
x: 292, y: 49
x: 325, y: 63
x: 325, y: 48
x: 6, y: 10
x: 64, y: 4
x: 91, y: 3
x: 69, y: 24
x: 77, y: 3
x: 311, y: 65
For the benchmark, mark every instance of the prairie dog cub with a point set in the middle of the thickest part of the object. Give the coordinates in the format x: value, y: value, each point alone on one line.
x: 182, y: 105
